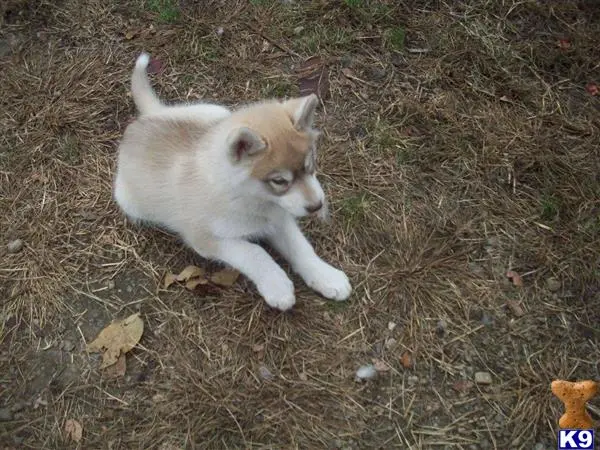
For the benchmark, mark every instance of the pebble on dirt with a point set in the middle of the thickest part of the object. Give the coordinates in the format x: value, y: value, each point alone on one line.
x: 483, y: 378
x: 553, y: 284
x: 5, y: 415
x: 15, y: 246
x: 366, y: 372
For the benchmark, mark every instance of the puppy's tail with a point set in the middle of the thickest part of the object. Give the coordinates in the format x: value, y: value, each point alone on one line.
x: 146, y: 100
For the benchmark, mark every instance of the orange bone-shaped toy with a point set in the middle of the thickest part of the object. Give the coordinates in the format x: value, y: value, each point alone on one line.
x: 575, y: 396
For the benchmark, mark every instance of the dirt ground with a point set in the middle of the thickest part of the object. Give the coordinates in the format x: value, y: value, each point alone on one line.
x: 461, y: 140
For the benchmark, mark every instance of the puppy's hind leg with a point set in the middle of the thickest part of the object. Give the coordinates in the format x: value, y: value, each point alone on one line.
x: 255, y: 263
x: 126, y: 203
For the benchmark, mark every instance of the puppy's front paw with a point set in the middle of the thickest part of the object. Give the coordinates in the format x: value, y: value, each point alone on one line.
x: 278, y: 292
x: 329, y: 282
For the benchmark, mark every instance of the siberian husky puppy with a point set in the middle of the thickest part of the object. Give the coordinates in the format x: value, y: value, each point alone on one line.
x: 223, y: 180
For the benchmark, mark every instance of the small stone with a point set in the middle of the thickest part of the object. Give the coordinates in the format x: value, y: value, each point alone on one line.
x: 441, y: 327
x: 15, y: 246
x: 5, y: 415
x: 539, y: 446
x: 265, y: 373
x: 110, y: 284
x: 390, y: 342
x: 298, y: 30
x: 158, y: 398
x: 19, y: 406
x: 553, y: 284
x: 413, y: 379
x: 483, y: 378
x: 391, y: 326
x: 487, y: 319
x: 366, y: 372
x: 67, y: 345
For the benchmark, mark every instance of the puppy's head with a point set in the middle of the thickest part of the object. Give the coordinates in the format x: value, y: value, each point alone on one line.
x: 276, y: 141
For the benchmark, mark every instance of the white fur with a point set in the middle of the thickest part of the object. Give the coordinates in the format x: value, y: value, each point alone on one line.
x: 214, y: 204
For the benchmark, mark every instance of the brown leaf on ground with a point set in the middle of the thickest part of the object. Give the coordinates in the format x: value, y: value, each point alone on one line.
x: 73, y: 430
x: 169, y: 280
x: 564, y: 44
x: 515, y: 277
x: 592, y: 89
x: 515, y: 307
x: 194, y: 283
x: 129, y: 35
x: 225, y: 277
x: 190, y: 272
x: 462, y: 386
x: 119, y: 337
x: 118, y: 369
x: 406, y: 360
x: 313, y: 77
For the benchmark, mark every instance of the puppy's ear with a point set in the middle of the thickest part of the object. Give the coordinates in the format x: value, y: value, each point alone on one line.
x: 302, y: 111
x: 244, y: 143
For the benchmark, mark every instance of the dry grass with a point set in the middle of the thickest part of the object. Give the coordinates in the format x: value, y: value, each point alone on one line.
x: 445, y: 168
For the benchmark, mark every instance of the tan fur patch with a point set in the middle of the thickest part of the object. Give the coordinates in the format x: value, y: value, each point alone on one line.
x: 287, y: 148
x: 162, y: 138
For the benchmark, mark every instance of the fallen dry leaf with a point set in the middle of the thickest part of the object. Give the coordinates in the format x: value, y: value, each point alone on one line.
x: 592, y: 89
x: 190, y: 272
x: 515, y: 277
x: 225, y: 277
x: 118, y: 369
x: 119, y: 337
x: 406, y: 360
x: 515, y: 307
x: 313, y: 77
x: 73, y: 430
x: 194, y: 283
x: 564, y: 44
x: 169, y: 280
x: 131, y: 34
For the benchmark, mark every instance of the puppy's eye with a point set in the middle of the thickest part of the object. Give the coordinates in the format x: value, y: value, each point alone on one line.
x: 279, y: 182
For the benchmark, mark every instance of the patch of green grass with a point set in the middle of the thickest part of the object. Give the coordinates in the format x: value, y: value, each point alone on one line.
x: 320, y: 38
x: 382, y: 135
x: 279, y: 89
x: 550, y: 208
x: 353, y: 3
x: 68, y: 149
x: 263, y: 2
x: 354, y: 209
x: 403, y: 156
x: 167, y: 10
x: 396, y: 38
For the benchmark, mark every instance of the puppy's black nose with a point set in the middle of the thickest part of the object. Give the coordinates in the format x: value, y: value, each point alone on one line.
x: 314, y: 208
